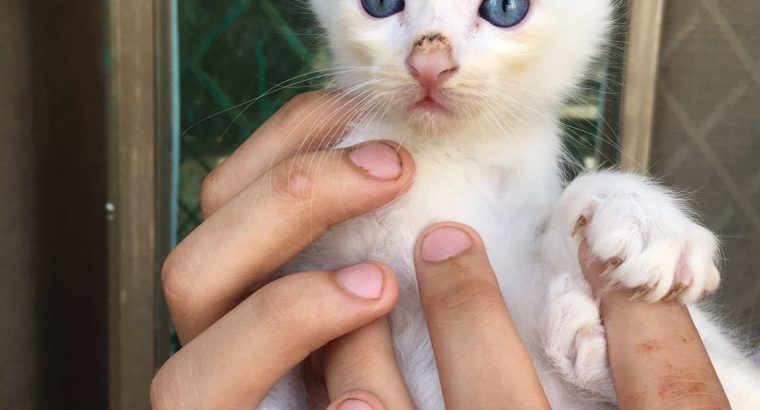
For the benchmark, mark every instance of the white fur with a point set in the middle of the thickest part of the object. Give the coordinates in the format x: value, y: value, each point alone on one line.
x: 494, y: 164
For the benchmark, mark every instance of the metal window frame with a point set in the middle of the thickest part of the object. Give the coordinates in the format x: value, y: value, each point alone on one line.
x: 142, y: 144
x: 640, y: 83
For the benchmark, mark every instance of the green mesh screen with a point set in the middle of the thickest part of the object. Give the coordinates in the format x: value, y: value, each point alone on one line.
x: 232, y: 51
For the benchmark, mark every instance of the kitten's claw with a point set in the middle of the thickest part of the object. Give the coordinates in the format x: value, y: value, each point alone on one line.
x: 609, y: 269
x: 676, y: 292
x: 580, y: 224
x: 652, y: 246
x: 641, y: 291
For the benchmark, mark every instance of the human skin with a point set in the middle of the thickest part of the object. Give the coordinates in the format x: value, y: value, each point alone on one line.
x: 655, y: 353
x: 481, y: 360
x: 242, y: 331
x: 656, y: 356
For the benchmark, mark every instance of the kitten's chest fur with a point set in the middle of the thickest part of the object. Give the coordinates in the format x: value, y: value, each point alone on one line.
x: 501, y: 188
x: 496, y: 200
x: 505, y: 202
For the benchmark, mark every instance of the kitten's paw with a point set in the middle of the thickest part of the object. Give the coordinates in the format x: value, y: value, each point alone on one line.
x: 575, y: 343
x: 652, y: 245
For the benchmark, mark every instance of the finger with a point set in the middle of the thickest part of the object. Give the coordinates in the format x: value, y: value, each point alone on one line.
x: 358, y: 400
x: 309, y: 122
x: 593, y: 269
x: 481, y: 359
x: 237, y: 361
x: 270, y: 222
x: 365, y: 360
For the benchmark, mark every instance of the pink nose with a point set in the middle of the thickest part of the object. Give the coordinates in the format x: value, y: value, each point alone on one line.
x: 431, y: 62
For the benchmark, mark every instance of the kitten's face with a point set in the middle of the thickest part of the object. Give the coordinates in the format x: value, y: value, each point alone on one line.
x: 438, y: 63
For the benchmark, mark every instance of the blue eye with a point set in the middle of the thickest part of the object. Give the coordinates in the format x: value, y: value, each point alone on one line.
x: 383, y: 8
x: 504, y: 13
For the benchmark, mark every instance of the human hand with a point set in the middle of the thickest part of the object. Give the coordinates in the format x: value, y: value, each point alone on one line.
x: 481, y: 359
x: 656, y: 356
x: 268, y: 201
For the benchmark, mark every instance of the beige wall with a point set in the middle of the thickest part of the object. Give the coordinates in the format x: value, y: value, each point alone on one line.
x: 707, y: 134
x: 52, y: 191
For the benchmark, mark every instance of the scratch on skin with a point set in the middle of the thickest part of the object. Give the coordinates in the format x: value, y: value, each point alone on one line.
x: 649, y: 346
x: 672, y: 388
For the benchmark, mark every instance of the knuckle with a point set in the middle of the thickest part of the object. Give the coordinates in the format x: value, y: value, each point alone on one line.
x: 161, y: 388
x: 274, y: 308
x: 277, y: 307
x: 293, y: 109
x: 209, y: 193
x: 157, y: 391
x: 461, y: 300
x: 354, y: 363
x: 177, y: 288
x: 357, y: 362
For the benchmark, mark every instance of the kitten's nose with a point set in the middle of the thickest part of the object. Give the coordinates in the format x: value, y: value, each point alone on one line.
x: 431, y: 62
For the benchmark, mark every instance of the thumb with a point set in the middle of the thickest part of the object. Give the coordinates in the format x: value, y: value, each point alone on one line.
x: 593, y: 269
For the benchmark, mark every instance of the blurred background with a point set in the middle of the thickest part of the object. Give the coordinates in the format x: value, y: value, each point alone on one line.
x: 112, y: 113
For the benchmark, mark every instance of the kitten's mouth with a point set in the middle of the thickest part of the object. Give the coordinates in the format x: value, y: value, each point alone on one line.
x: 430, y: 104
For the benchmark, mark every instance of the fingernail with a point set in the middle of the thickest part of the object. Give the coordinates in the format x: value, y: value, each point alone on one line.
x: 353, y: 404
x: 378, y: 160
x: 444, y: 243
x: 364, y: 281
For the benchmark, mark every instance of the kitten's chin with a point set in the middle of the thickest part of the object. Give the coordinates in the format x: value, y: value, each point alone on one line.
x: 429, y: 120
x: 429, y: 116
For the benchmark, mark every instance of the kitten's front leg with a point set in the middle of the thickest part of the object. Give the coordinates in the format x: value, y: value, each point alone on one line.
x: 653, y: 247
x: 652, y: 243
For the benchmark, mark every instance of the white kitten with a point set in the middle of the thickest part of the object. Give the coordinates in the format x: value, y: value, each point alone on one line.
x: 473, y: 89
